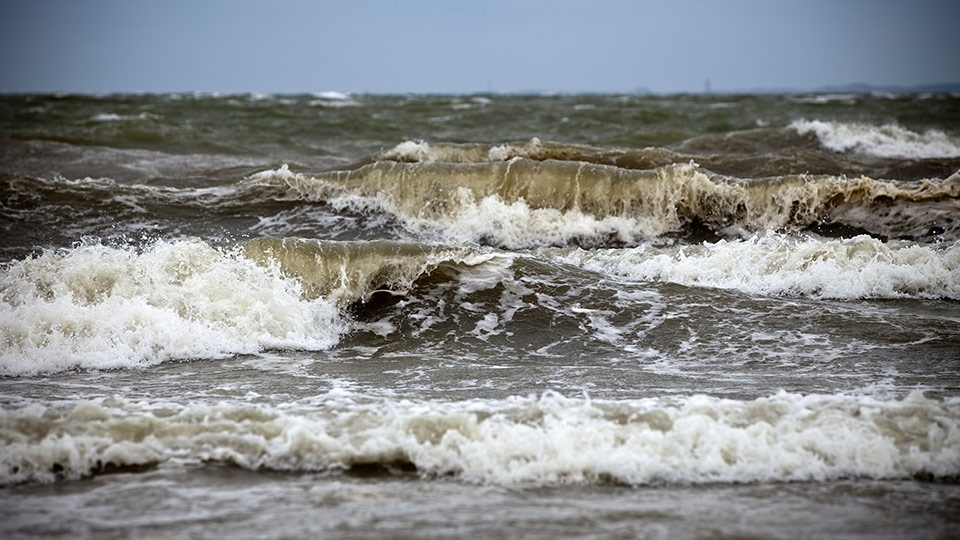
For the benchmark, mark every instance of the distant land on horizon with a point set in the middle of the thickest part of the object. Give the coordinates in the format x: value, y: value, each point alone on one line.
x: 863, y: 88
x: 851, y: 88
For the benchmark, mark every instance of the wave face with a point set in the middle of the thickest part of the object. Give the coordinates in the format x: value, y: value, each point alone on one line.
x: 525, y: 202
x: 549, y: 440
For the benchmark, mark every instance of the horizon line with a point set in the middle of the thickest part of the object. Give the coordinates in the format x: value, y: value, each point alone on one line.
x: 856, y: 88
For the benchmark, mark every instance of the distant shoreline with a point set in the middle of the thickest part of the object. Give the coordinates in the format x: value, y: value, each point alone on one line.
x: 861, y: 88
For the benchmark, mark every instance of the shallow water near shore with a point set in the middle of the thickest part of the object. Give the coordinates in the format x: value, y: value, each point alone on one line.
x: 211, y: 501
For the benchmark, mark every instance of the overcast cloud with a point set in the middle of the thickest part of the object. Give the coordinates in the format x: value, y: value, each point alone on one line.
x: 447, y: 46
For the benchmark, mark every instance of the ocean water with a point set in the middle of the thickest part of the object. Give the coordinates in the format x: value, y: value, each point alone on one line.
x: 352, y: 316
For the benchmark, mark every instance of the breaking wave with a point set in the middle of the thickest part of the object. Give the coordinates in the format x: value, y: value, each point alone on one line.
x: 524, y: 202
x: 529, y: 441
x: 101, y: 307
x: 887, y: 141
x: 859, y: 267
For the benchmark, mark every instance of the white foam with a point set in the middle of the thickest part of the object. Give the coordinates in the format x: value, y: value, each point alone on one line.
x: 113, y: 117
x: 531, y: 441
x: 516, y: 225
x: 97, y: 307
x: 334, y: 96
x: 504, y: 152
x: 823, y: 99
x: 333, y: 100
x: 411, y: 151
x: 106, y: 117
x: 860, y: 267
x: 421, y: 151
x: 889, y: 140
x: 283, y: 173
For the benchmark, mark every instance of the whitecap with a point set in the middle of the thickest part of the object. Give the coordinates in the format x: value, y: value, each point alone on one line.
x: 888, y: 140
x: 778, y: 264
x: 100, y: 307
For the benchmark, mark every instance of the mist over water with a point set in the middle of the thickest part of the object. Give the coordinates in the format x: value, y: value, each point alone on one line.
x: 494, y: 315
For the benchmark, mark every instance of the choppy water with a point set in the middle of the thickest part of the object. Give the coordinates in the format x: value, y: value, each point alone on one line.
x: 494, y: 316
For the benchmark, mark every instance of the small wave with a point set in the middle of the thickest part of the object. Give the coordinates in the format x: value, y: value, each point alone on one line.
x: 333, y: 100
x: 550, y: 440
x: 887, y: 141
x: 823, y: 99
x: 113, y: 117
x: 777, y: 264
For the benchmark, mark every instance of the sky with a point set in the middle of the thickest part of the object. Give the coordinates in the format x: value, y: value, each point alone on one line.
x: 434, y: 46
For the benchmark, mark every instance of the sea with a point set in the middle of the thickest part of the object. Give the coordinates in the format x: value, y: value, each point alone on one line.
x: 334, y: 315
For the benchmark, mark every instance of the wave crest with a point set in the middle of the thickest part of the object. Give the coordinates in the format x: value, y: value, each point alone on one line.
x: 887, y: 141
x: 347, y: 272
x: 535, y: 149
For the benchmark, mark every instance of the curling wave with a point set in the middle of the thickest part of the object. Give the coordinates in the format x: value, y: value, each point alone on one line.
x: 523, y: 202
x: 346, y: 272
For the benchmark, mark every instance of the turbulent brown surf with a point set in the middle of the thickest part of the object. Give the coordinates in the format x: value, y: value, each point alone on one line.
x: 446, y: 315
x: 450, y: 184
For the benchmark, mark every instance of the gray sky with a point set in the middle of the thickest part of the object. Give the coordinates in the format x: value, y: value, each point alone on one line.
x: 477, y: 45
